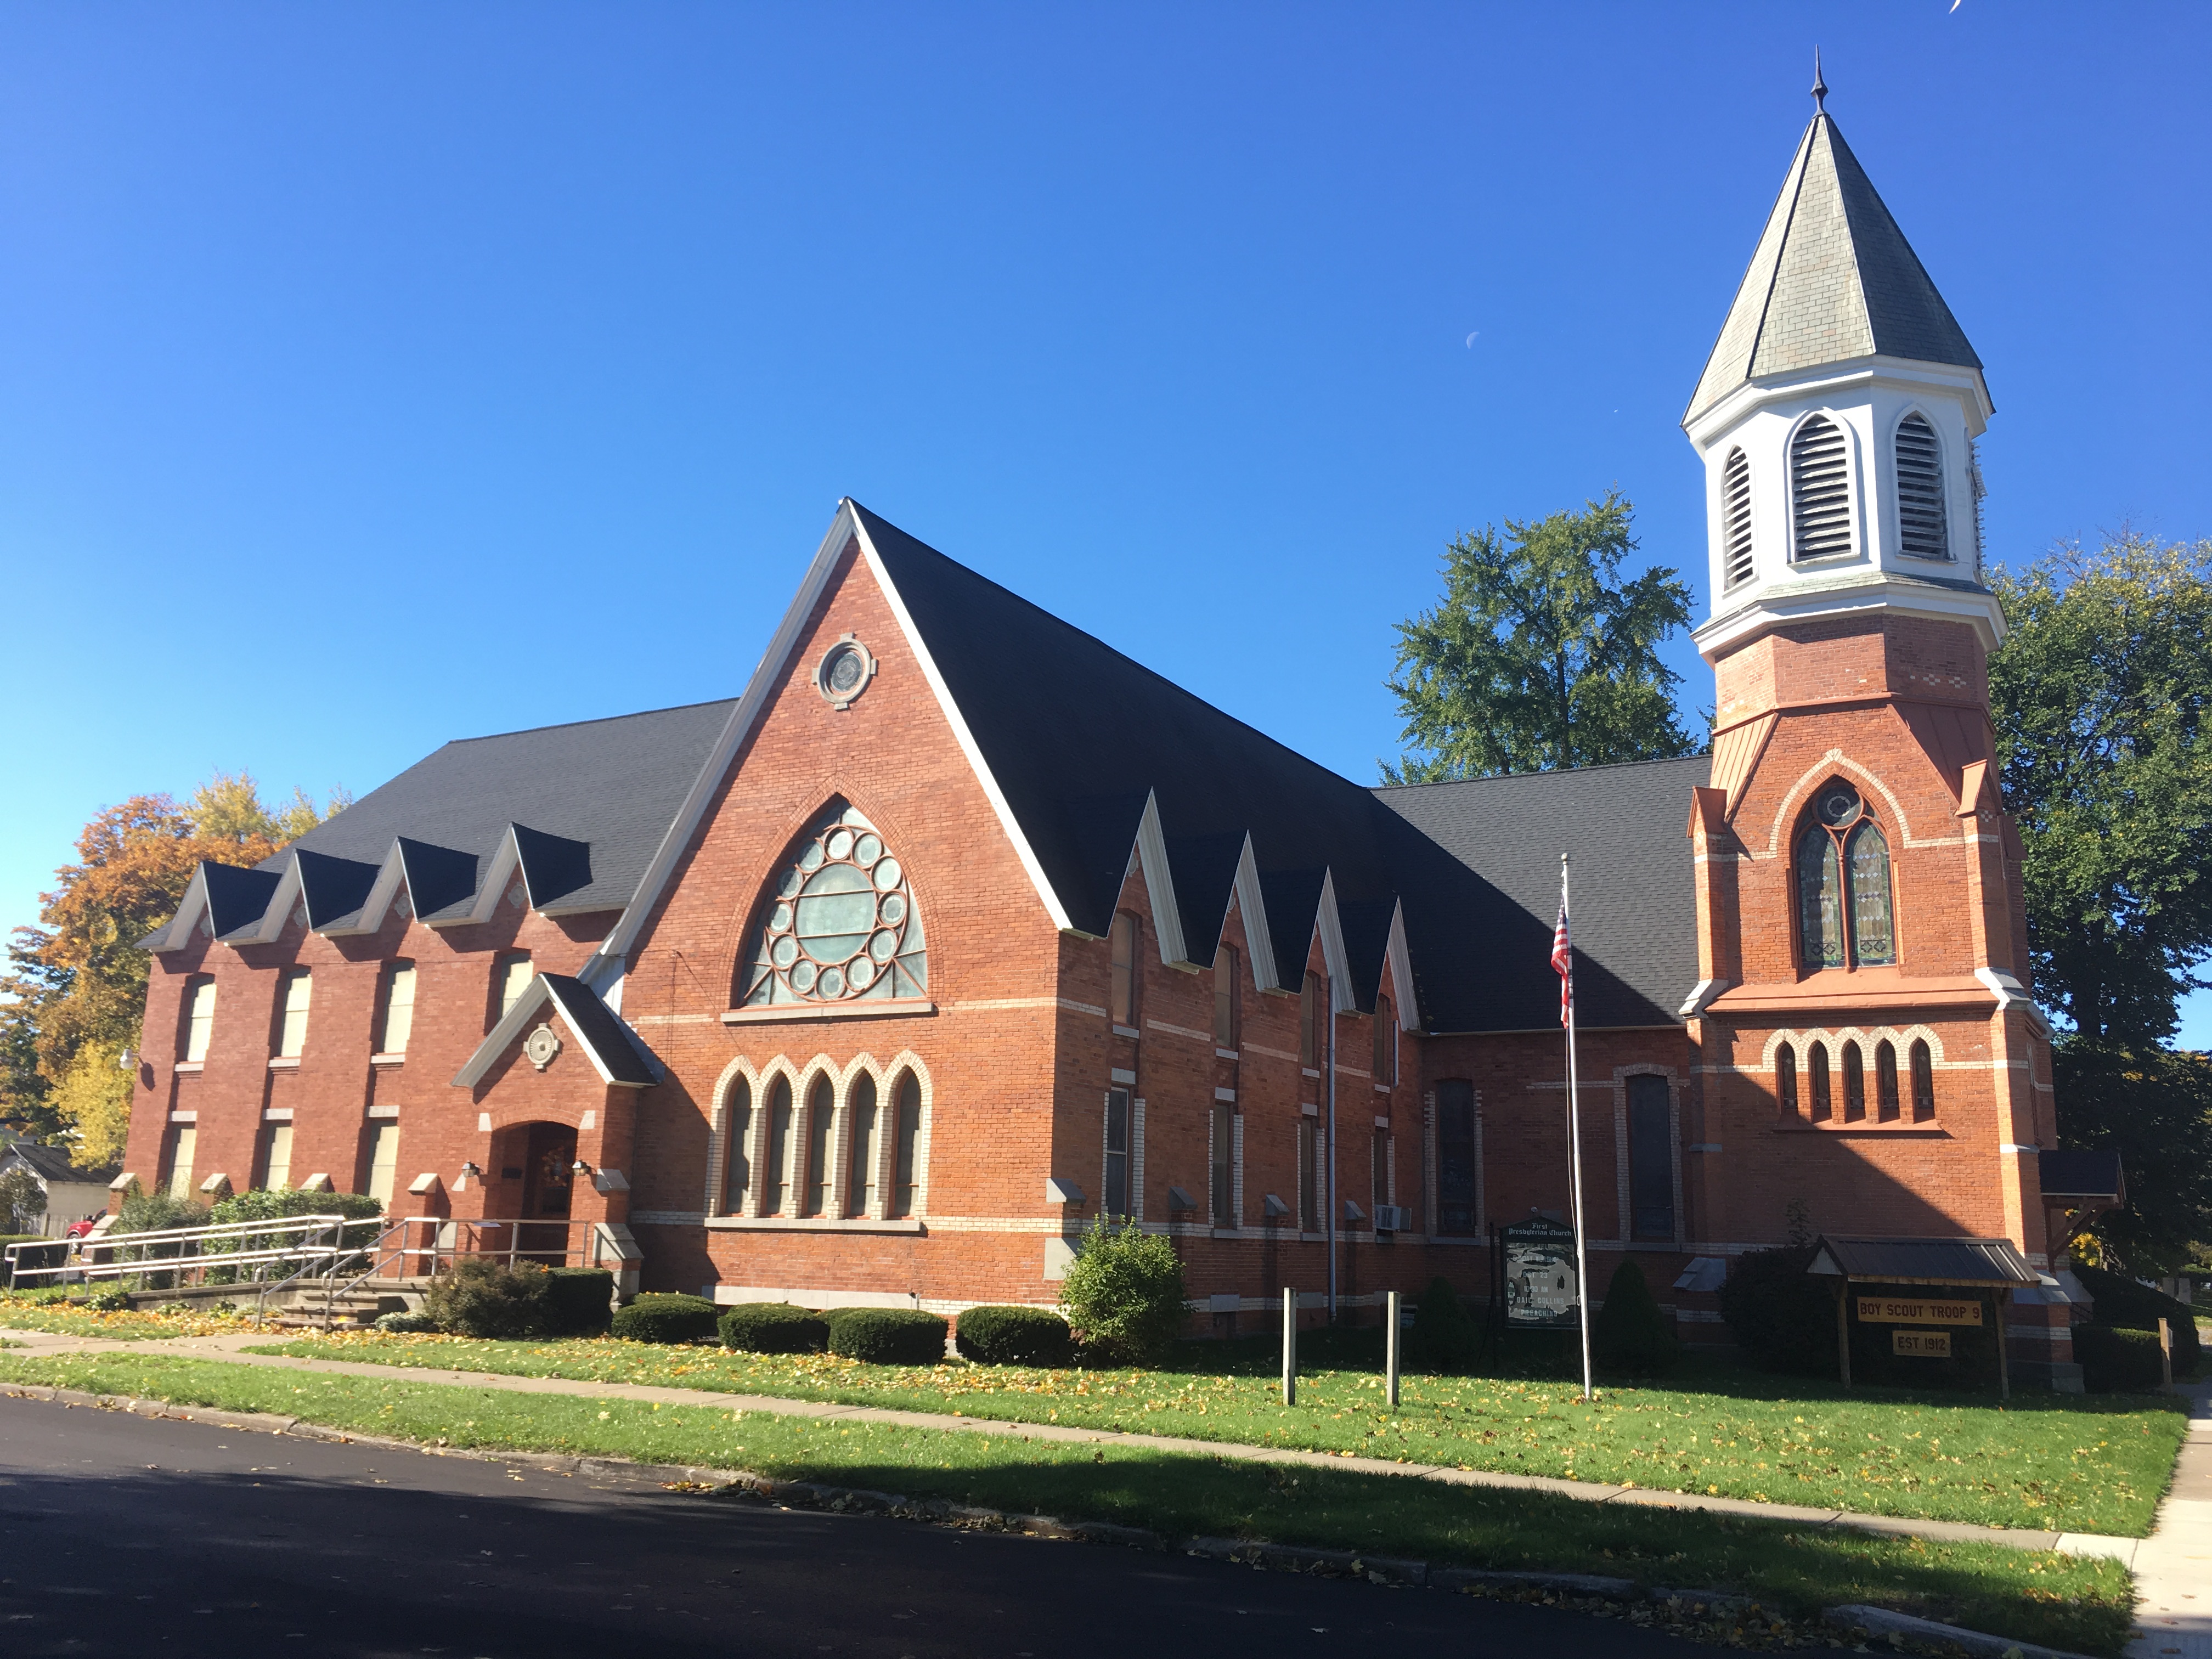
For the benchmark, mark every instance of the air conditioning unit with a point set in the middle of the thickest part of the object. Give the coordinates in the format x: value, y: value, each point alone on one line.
x: 1391, y: 1218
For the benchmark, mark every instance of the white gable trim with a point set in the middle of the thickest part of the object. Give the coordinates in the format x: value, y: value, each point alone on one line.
x: 966, y: 739
x: 189, y: 910
x: 1252, y: 905
x: 390, y: 877
x: 1333, y: 958
x: 506, y: 858
x: 1159, y: 883
x: 271, y: 926
x: 537, y: 996
x: 1401, y: 958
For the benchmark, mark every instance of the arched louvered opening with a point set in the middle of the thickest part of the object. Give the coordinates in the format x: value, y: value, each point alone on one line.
x: 1819, y: 490
x: 1922, y: 528
x: 1735, y: 518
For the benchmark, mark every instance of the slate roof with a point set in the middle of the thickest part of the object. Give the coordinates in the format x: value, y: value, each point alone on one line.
x: 51, y: 1164
x: 1832, y: 279
x: 1479, y: 920
x: 1923, y: 1261
x: 613, y: 1044
x: 593, y: 799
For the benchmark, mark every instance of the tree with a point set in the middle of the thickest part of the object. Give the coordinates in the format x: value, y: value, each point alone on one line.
x: 1539, y: 656
x: 77, y: 992
x: 2154, y: 1107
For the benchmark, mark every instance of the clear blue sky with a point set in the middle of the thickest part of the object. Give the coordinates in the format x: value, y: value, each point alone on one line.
x: 375, y: 375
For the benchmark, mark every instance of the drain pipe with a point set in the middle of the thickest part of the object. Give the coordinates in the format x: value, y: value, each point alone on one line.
x: 1331, y: 1016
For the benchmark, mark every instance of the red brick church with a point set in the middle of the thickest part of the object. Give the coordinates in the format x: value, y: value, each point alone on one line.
x: 958, y: 929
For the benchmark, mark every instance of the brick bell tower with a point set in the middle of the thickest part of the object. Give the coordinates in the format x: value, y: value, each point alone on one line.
x: 1872, y: 1061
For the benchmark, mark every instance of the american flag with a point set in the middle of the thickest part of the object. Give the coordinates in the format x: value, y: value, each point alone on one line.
x: 1563, y: 957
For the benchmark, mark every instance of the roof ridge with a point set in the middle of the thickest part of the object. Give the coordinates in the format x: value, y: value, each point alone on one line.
x: 595, y: 720
x: 1542, y: 772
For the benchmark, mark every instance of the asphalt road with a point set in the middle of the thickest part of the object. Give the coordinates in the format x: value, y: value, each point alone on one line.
x: 131, y: 1536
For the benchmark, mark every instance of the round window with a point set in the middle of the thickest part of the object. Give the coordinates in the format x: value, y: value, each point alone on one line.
x: 1839, y: 805
x: 844, y: 671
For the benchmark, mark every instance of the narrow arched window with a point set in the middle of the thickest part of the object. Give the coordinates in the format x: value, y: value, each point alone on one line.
x: 865, y: 1151
x: 1924, y: 1082
x: 1819, y: 490
x: 1386, y: 1043
x: 906, y: 1147
x: 736, y: 1139
x: 1885, y: 1081
x: 1225, y: 997
x: 1311, y: 1002
x: 1735, y: 519
x: 1854, y: 1084
x: 1821, y: 898
x: 778, y: 1192
x: 820, y: 1114
x: 1923, y: 528
x: 1121, y: 995
x: 1821, y: 1106
x: 1844, y: 913
x: 1874, y: 941
x: 295, y: 990
x: 1785, y: 1080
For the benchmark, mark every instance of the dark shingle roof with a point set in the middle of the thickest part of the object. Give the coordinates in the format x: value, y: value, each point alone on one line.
x: 1478, y: 924
x: 622, y: 1058
x: 1923, y: 1261
x: 52, y: 1164
x: 1832, y: 278
x: 599, y: 793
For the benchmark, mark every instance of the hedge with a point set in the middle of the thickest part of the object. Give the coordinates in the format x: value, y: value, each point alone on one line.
x: 887, y: 1336
x: 580, y: 1300
x: 2128, y: 1306
x: 666, y: 1318
x: 1015, y: 1336
x: 1631, y: 1333
x: 2118, y: 1361
x: 774, y: 1327
x: 482, y: 1298
x: 1781, y: 1317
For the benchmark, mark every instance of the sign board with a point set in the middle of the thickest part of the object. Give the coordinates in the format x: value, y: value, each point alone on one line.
x: 1898, y: 1310
x: 1921, y: 1345
x: 1541, y: 1288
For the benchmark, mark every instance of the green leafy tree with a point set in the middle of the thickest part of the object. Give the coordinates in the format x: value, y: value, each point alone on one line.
x: 1123, y: 1295
x: 1539, y: 656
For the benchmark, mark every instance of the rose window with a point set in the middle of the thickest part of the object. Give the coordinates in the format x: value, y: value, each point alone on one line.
x: 840, y: 925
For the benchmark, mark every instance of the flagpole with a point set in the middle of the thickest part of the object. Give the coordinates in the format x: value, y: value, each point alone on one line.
x: 1574, y: 1159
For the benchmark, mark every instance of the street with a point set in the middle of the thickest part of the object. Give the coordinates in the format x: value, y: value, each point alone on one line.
x: 126, y: 1535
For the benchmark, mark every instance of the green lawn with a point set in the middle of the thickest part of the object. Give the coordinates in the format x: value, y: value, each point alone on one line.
x: 2059, y: 1464
x: 30, y: 1310
x: 2065, y: 1601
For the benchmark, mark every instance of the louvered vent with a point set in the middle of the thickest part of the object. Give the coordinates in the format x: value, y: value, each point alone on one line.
x: 1736, y: 517
x: 1920, y: 490
x: 1974, y: 477
x: 1819, y: 490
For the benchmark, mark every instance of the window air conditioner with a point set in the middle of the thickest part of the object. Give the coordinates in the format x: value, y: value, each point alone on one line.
x: 1390, y: 1218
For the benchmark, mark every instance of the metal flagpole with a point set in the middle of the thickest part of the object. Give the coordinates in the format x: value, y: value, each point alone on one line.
x: 1563, y: 954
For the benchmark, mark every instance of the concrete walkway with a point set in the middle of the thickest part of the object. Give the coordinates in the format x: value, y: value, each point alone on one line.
x: 2124, y: 1550
x: 2173, y: 1565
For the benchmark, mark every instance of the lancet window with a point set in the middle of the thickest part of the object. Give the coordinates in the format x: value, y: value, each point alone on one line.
x: 1844, y: 917
x: 840, y: 924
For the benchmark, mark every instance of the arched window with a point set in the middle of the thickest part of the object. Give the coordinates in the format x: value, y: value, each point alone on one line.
x: 1854, y: 1084
x: 295, y: 990
x: 1785, y: 1080
x: 840, y: 925
x: 736, y: 1140
x: 1885, y: 1081
x: 1819, y: 490
x: 396, y: 1023
x: 1844, y: 915
x: 906, y: 1147
x: 821, y: 1115
x: 1386, y: 1043
x: 1924, y: 530
x: 1924, y: 1082
x: 778, y: 1192
x: 1122, y: 994
x: 1735, y: 519
x: 1312, y: 1000
x: 866, y: 1150
x: 1821, y: 1109
x: 1225, y: 997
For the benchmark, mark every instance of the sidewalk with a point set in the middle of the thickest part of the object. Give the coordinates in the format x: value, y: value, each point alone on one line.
x: 2123, y: 1550
x: 2175, y: 1620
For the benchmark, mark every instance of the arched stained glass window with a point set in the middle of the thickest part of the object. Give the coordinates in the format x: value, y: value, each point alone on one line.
x: 1924, y: 1082
x: 840, y: 925
x: 1822, y: 1107
x: 1844, y: 913
x: 1885, y: 1081
x: 1821, y: 898
x: 1873, y: 943
x: 737, y: 1134
x: 1785, y: 1080
x: 1854, y: 1084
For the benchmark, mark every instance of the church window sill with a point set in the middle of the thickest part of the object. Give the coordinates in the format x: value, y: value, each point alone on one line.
x: 383, y: 1062
x: 284, y: 1063
x: 187, y: 1067
x: 811, y: 1224
x: 882, y: 1008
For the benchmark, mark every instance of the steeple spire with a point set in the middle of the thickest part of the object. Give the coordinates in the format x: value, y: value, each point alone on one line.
x: 1819, y: 86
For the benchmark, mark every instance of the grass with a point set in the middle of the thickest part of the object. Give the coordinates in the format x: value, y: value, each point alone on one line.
x: 2066, y: 1602
x: 2099, y: 1464
x: 41, y: 1311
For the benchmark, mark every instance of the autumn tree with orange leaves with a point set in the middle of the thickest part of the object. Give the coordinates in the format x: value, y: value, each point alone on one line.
x: 72, y: 1002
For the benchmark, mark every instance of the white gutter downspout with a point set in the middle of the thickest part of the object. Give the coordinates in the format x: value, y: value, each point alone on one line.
x: 1332, y: 1155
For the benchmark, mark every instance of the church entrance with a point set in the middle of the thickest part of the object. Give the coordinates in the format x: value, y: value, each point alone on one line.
x: 548, y: 1185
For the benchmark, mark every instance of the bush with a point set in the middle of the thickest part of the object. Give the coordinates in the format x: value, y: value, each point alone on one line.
x: 660, y: 1317
x: 2125, y: 1305
x: 774, y: 1327
x: 107, y: 1301
x: 30, y: 1259
x: 580, y: 1300
x: 887, y: 1336
x: 1783, y: 1318
x: 154, y: 1213
x: 1123, y: 1295
x: 1015, y: 1336
x: 1632, y: 1333
x: 1446, y: 1337
x: 2115, y: 1361
x: 411, y: 1320
x: 480, y: 1297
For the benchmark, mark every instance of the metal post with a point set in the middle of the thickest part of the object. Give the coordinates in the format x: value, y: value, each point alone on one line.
x: 1390, y: 1345
x: 1329, y: 1050
x: 1575, y: 1148
x: 1290, y: 1346
x: 1843, y: 1331
x: 2165, y: 1354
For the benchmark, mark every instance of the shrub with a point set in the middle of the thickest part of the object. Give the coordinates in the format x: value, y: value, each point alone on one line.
x: 774, y: 1327
x: 1632, y: 1333
x: 1783, y: 1318
x: 1123, y: 1295
x: 2125, y: 1305
x: 154, y: 1213
x: 887, y: 1336
x: 580, y: 1300
x: 1446, y: 1337
x: 107, y: 1301
x: 661, y: 1317
x: 29, y: 1258
x: 2115, y: 1361
x: 480, y: 1297
x: 1015, y: 1336
x: 411, y: 1320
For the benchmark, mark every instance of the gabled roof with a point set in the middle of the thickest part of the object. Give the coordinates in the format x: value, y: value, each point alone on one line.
x: 1923, y: 1261
x: 51, y: 1164
x: 1832, y: 279
x: 618, y: 1054
x: 1482, y: 893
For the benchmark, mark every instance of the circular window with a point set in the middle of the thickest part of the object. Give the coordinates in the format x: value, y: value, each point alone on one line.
x: 839, y: 922
x: 1839, y: 805
x: 844, y: 671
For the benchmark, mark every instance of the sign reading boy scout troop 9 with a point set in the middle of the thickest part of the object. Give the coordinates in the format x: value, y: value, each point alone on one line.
x: 1915, y: 1311
x: 1541, y: 1288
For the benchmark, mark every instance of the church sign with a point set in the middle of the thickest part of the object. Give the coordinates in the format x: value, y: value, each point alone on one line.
x: 1541, y: 1288
x: 1895, y: 1310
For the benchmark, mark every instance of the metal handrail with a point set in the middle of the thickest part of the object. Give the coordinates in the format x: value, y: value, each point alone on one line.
x: 435, y: 1250
x: 184, y: 1250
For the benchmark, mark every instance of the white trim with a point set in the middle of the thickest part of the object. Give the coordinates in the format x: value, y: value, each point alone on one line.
x: 189, y: 910
x: 506, y: 859
x: 1151, y: 851
x: 1252, y: 905
x: 1400, y: 955
x: 390, y: 876
x: 277, y: 911
x: 1333, y: 958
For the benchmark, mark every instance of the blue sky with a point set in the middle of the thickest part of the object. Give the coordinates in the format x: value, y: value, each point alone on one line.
x: 376, y: 375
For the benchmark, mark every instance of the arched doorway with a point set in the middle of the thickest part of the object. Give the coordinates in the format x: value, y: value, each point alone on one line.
x: 546, y: 1191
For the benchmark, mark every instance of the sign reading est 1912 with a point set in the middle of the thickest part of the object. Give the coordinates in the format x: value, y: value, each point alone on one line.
x: 1921, y: 1345
x: 1894, y: 1310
